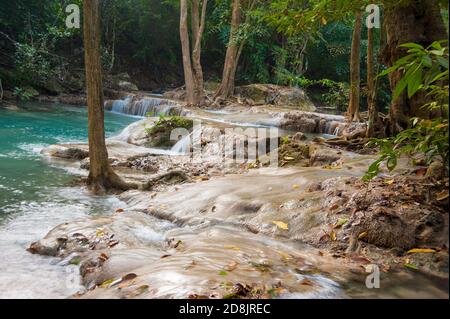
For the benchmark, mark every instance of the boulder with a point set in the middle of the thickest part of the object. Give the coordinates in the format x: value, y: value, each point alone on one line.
x: 127, y: 86
x: 123, y: 82
x: 175, y: 94
x: 276, y: 95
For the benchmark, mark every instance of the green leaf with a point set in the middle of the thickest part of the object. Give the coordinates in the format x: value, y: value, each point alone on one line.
x: 401, y: 85
x: 437, y: 52
x: 442, y: 61
x: 414, y: 82
x: 391, y: 163
x: 412, y: 46
x: 411, y: 266
x: 426, y: 60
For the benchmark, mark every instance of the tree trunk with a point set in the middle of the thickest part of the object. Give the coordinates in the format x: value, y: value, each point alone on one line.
x: 226, y: 88
x: 417, y: 21
x: 371, y: 89
x: 197, y: 31
x: 186, y: 51
x: 353, y: 107
x: 193, y: 73
x: 101, y: 176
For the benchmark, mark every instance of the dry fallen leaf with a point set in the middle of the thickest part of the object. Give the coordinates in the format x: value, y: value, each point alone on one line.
x: 232, y: 247
x: 362, y: 235
x: 284, y: 255
x: 100, y: 233
x: 389, y: 182
x: 333, y: 235
x: 340, y: 222
x: 442, y: 195
x: 334, y: 207
x: 281, y: 225
x: 421, y: 250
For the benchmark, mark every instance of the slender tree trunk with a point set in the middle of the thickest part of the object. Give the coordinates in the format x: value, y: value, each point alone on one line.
x: 234, y: 50
x: 371, y: 89
x: 186, y: 51
x: 197, y: 32
x: 353, y: 107
x: 416, y: 21
x: 101, y: 176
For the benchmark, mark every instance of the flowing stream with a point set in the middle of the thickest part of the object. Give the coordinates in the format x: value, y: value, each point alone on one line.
x: 36, y: 195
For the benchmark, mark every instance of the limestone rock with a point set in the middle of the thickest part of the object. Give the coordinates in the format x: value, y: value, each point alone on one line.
x: 276, y: 95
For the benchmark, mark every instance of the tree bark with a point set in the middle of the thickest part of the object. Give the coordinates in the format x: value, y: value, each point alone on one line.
x: 186, y: 51
x: 371, y: 89
x: 417, y: 21
x: 101, y: 176
x: 226, y: 88
x: 353, y: 107
x: 197, y: 31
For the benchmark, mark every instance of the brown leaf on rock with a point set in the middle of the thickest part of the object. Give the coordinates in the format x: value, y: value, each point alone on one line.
x: 442, y: 195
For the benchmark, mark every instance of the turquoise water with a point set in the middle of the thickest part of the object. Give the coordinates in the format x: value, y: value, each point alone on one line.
x: 24, y: 175
x: 36, y: 195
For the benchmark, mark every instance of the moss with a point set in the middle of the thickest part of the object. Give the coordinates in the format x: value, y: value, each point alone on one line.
x: 159, y: 134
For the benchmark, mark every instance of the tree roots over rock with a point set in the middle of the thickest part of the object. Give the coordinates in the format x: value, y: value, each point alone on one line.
x: 169, y: 178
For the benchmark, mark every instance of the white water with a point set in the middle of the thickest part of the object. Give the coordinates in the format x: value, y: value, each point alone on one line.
x: 148, y: 105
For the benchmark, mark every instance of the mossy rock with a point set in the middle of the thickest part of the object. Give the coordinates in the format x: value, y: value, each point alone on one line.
x: 159, y: 134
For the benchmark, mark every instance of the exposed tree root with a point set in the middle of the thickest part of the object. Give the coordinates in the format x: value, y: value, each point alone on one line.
x: 171, y: 177
x: 111, y: 181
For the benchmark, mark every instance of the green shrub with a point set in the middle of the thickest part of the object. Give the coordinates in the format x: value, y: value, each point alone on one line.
x: 159, y: 134
x: 426, y: 70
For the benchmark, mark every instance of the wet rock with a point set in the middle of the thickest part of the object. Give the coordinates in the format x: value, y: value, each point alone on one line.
x: 68, y: 152
x: 48, y: 246
x: 323, y: 156
x: 310, y: 122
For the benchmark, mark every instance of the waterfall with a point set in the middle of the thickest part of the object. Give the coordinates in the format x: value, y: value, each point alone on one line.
x: 120, y: 106
x: 148, y: 105
x: 336, y: 131
x: 183, y: 146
